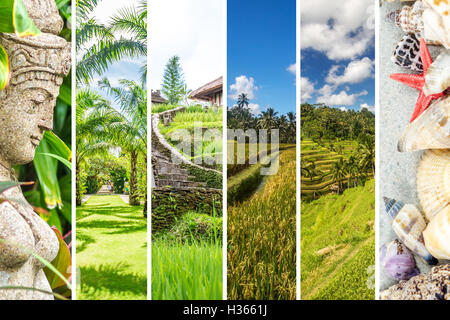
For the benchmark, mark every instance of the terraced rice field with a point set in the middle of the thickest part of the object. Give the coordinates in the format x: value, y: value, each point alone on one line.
x: 338, y: 245
x: 323, y: 159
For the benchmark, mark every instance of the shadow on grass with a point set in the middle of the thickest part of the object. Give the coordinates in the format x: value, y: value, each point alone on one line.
x: 107, y: 280
x: 113, y: 226
x: 83, y: 241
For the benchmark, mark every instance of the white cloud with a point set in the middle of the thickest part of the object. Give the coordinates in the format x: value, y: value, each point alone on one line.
x: 254, y: 108
x: 194, y: 31
x: 370, y: 108
x: 307, y: 88
x: 242, y: 84
x: 292, y: 69
x: 330, y: 98
x: 356, y: 71
x: 340, y: 29
x: 343, y: 109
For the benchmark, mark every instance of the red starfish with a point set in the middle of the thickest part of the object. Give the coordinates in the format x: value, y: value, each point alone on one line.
x: 417, y: 81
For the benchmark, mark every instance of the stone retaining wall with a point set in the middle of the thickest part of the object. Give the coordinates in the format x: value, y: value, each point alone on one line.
x: 169, y: 204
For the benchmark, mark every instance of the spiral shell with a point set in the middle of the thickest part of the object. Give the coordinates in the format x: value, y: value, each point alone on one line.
x: 433, y: 181
x: 407, y: 53
x: 409, y: 18
x: 437, y: 78
x: 437, y: 235
x: 430, y: 130
x: 408, y: 223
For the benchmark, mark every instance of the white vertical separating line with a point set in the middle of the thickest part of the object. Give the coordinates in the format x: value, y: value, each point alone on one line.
x: 149, y: 160
x: 377, y: 148
x: 74, y: 150
x: 224, y: 153
x: 298, y: 156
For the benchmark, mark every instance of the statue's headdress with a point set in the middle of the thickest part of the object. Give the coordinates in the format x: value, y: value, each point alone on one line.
x: 43, y: 57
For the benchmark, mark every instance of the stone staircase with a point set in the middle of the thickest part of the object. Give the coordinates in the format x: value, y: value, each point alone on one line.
x: 104, y: 191
x: 169, y: 174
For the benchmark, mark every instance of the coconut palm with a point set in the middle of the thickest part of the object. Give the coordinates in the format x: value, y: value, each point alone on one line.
x: 338, y: 172
x: 243, y: 100
x: 99, y: 45
x: 268, y: 119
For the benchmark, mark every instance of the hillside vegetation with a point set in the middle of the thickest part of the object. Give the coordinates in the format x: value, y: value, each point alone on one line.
x: 338, y: 245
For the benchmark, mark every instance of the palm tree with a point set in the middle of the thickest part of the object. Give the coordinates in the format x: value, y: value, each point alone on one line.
x: 366, y: 149
x: 131, y: 133
x: 268, y: 119
x: 242, y: 100
x: 338, y: 172
x: 94, y: 117
x: 99, y: 45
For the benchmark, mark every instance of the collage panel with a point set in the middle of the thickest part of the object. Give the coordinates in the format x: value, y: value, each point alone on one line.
x: 187, y: 63
x: 261, y: 150
x: 111, y: 150
x: 35, y: 150
x: 414, y: 150
x: 337, y: 41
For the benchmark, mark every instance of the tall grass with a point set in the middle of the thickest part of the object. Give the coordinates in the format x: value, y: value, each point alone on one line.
x: 186, y: 271
x: 262, y: 239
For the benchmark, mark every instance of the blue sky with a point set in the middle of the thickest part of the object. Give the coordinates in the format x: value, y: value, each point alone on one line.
x: 262, y: 53
x: 338, y: 53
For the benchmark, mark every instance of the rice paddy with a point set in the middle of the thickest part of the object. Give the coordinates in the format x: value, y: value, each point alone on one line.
x: 262, y: 238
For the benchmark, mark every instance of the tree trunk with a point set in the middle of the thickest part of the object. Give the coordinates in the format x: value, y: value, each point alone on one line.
x: 79, y: 194
x: 134, y: 195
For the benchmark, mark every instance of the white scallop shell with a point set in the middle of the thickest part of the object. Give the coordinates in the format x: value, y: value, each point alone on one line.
x: 436, y: 21
x: 437, y: 78
x: 433, y: 181
x: 430, y: 130
x: 437, y: 235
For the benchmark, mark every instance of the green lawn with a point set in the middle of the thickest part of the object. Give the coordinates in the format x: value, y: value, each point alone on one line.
x: 111, y: 250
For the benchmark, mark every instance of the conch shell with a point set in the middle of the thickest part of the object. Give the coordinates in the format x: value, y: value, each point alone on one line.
x: 437, y: 78
x: 430, y: 130
x: 427, y: 19
x: 408, y: 223
x: 437, y: 235
x: 433, y: 181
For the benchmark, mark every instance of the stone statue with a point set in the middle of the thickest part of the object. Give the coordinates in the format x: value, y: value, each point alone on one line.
x: 38, y: 65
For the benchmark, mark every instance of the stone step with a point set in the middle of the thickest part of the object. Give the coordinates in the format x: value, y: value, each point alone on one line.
x: 169, y: 168
x: 180, y: 184
x: 176, y: 176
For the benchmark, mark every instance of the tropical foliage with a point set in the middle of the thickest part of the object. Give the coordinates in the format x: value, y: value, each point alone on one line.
x: 241, y: 117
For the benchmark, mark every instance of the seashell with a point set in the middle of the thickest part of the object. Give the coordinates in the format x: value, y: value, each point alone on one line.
x: 433, y: 181
x: 397, y: 261
x: 407, y: 53
x: 437, y: 78
x: 409, y: 18
x: 436, y: 22
x: 408, y: 223
x: 430, y: 130
x: 437, y: 235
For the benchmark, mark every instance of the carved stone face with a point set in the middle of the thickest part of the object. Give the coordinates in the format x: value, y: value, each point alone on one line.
x: 26, y: 112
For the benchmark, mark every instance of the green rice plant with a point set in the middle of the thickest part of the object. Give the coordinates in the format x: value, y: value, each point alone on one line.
x: 337, y: 244
x: 186, y: 271
x: 262, y: 239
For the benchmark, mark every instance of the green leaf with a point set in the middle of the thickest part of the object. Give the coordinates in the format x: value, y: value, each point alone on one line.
x: 47, y: 172
x: 4, y: 68
x: 5, y: 185
x: 62, y: 263
x: 58, y: 146
x: 66, y: 162
x: 14, y: 18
